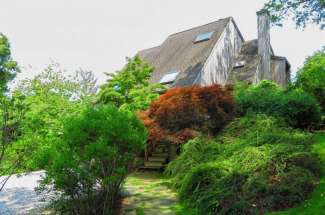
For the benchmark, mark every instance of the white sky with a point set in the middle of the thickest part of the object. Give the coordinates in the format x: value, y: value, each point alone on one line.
x: 98, y: 34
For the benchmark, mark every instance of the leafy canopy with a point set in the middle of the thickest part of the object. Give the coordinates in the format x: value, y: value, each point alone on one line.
x: 129, y: 88
x: 47, y: 99
x: 311, y: 77
x: 8, y: 67
x: 10, y: 109
x: 183, y: 113
x: 301, y: 11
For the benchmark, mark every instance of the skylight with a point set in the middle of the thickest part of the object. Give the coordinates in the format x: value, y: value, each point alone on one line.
x: 203, y: 37
x: 169, y: 78
x: 239, y: 64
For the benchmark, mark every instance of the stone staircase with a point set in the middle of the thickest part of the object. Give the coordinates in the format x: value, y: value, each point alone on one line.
x: 157, y: 160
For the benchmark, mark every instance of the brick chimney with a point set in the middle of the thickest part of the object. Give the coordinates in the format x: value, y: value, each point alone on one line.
x: 264, y: 45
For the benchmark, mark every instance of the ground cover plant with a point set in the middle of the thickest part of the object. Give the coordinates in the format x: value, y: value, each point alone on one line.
x: 256, y: 164
x: 315, y: 204
x: 92, y: 158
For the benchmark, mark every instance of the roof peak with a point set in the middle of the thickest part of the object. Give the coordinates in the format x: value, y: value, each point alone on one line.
x: 147, y: 49
x: 227, y: 18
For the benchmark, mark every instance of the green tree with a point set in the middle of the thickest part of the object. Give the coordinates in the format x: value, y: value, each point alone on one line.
x: 86, y: 84
x: 301, y: 11
x: 10, y: 113
x: 8, y: 67
x: 311, y: 77
x: 48, y: 99
x: 129, y: 88
x: 92, y: 159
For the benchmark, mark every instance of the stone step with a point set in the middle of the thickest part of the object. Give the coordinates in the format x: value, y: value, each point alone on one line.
x: 161, y: 155
x: 151, y: 168
x: 163, y: 146
x: 159, y: 159
x: 153, y: 163
x: 160, y: 150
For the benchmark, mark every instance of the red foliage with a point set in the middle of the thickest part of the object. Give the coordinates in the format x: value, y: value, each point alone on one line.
x: 183, y: 113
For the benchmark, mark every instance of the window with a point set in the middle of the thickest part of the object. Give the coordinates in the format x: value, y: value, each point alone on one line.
x: 203, y: 37
x: 239, y: 64
x: 169, y: 78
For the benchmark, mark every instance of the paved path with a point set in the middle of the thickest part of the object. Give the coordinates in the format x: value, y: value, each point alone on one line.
x: 19, y: 196
x: 147, y: 194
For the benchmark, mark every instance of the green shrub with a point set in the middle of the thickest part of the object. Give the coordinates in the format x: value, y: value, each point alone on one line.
x: 193, y: 153
x: 307, y: 161
x: 296, y: 107
x: 299, y: 109
x: 311, y: 77
x: 214, y: 189
x: 254, y: 165
x: 92, y: 159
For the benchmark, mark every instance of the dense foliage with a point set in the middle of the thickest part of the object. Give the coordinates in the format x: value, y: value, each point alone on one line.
x: 45, y: 101
x: 91, y: 160
x: 301, y: 11
x: 182, y: 113
x: 298, y: 108
x: 311, y: 77
x: 8, y: 67
x: 254, y: 165
x: 315, y: 203
x: 10, y: 108
x: 129, y: 89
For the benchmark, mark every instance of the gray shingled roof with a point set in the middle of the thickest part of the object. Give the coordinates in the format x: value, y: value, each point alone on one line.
x: 249, y: 55
x: 149, y: 54
x: 179, y: 52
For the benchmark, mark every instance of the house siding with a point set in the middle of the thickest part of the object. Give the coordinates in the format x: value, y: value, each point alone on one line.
x: 219, y: 63
x: 279, y: 74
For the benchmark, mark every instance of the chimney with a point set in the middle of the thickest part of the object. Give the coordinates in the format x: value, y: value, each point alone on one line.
x: 264, y: 45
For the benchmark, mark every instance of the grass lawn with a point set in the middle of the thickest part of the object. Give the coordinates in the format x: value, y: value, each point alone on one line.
x: 315, y: 205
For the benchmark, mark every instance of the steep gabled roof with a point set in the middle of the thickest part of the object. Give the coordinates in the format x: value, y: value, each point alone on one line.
x: 179, y: 52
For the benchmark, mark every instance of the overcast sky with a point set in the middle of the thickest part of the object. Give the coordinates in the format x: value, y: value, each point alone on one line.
x: 98, y: 34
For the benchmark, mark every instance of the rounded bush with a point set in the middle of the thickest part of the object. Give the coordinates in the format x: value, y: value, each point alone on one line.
x: 92, y: 159
x: 296, y: 107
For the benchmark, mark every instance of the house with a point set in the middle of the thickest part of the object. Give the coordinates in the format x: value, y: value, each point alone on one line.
x: 217, y: 53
